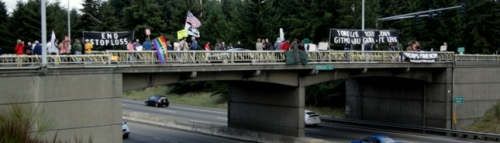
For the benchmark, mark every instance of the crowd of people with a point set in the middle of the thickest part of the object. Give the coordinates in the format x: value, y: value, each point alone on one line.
x: 193, y: 44
x: 53, y: 48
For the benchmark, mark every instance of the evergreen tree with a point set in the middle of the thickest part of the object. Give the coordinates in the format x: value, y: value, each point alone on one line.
x: 144, y: 14
x: 57, y: 20
x: 74, y: 16
x: 109, y: 21
x: 214, y: 23
x: 237, y: 21
x: 25, y: 22
x: 88, y: 20
x: 118, y: 6
x: 6, y: 38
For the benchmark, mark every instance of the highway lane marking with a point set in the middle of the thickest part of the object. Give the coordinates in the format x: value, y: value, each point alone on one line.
x: 222, y: 118
x: 312, y: 130
x: 185, y: 132
x: 163, y: 110
x: 389, y: 132
x: 201, y: 110
x: 200, y: 121
x: 156, y: 138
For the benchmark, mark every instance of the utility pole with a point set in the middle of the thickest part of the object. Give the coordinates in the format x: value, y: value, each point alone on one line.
x: 44, y: 34
x: 363, y: 23
x: 69, y: 23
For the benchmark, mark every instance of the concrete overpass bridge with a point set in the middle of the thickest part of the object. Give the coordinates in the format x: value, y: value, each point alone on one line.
x: 265, y: 93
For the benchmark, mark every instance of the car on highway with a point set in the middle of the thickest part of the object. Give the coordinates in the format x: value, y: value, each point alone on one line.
x: 311, y: 118
x: 157, y: 100
x: 126, y: 130
x: 376, y: 139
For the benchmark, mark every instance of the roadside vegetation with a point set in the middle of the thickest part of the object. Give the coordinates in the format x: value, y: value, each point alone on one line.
x: 204, y: 99
x: 24, y: 123
x: 489, y: 123
x: 326, y: 99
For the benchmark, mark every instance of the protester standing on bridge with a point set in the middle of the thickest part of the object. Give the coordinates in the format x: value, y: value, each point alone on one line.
x: 238, y: 45
x: 285, y: 46
x: 258, y: 45
x: 146, y: 45
x: 77, y: 47
x: 38, y: 49
x: 207, y: 46
x: 223, y: 45
x: 277, y: 44
x: 130, y: 46
x: 137, y: 44
x: 28, y: 50
x: 19, y: 49
x: 88, y: 50
x: 301, y: 46
x: 194, y: 44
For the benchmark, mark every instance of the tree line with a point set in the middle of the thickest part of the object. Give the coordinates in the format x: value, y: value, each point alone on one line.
x: 475, y: 27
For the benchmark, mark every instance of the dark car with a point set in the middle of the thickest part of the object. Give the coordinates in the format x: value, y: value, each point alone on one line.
x: 157, y: 100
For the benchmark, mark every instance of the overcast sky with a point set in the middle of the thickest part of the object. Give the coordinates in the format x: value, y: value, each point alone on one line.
x: 11, y: 4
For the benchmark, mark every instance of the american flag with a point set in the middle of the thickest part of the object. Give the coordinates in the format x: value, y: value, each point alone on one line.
x: 195, y: 23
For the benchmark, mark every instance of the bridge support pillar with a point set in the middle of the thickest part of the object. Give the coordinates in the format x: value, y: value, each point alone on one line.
x: 268, y: 108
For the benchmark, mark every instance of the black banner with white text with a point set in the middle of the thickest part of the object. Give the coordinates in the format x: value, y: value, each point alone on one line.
x: 421, y: 57
x: 346, y: 36
x: 108, y: 38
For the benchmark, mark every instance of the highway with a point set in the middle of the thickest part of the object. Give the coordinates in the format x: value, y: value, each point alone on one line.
x: 326, y: 131
x: 141, y: 133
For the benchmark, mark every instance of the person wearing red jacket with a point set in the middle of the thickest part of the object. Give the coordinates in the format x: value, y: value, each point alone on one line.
x: 19, y: 48
x: 19, y: 51
x: 285, y: 45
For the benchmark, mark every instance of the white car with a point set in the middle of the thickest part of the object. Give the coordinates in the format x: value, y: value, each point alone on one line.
x: 126, y: 130
x: 311, y: 118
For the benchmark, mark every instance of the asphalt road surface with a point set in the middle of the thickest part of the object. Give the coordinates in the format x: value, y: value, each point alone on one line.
x: 326, y: 131
x: 143, y: 133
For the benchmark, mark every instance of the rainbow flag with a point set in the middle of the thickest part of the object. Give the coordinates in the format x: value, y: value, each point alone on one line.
x: 160, y: 50
x: 164, y: 46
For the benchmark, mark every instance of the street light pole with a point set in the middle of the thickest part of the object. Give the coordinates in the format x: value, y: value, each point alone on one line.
x: 44, y: 34
x: 363, y: 23
x: 69, y: 23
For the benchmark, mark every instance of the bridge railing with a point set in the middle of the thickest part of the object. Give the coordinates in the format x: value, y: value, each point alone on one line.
x: 151, y: 57
x: 35, y: 60
x: 477, y: 57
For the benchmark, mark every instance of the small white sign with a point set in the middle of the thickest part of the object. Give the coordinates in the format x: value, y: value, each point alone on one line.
x: 443, y: 48
x: 148, y: 32
x: 323, y: 46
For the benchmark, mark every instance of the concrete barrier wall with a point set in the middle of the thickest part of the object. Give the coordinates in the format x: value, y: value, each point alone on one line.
x: 83, y: 106
x: 217, y: 130
x: 479, y: 84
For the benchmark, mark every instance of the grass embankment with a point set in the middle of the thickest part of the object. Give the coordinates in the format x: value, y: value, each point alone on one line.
x: 195, y: 99
x: 25, y: 123
x: 205, y: 100
x: 489, y: 123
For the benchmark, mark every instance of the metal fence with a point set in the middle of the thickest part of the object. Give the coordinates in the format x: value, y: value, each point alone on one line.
x: 151, y: 57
